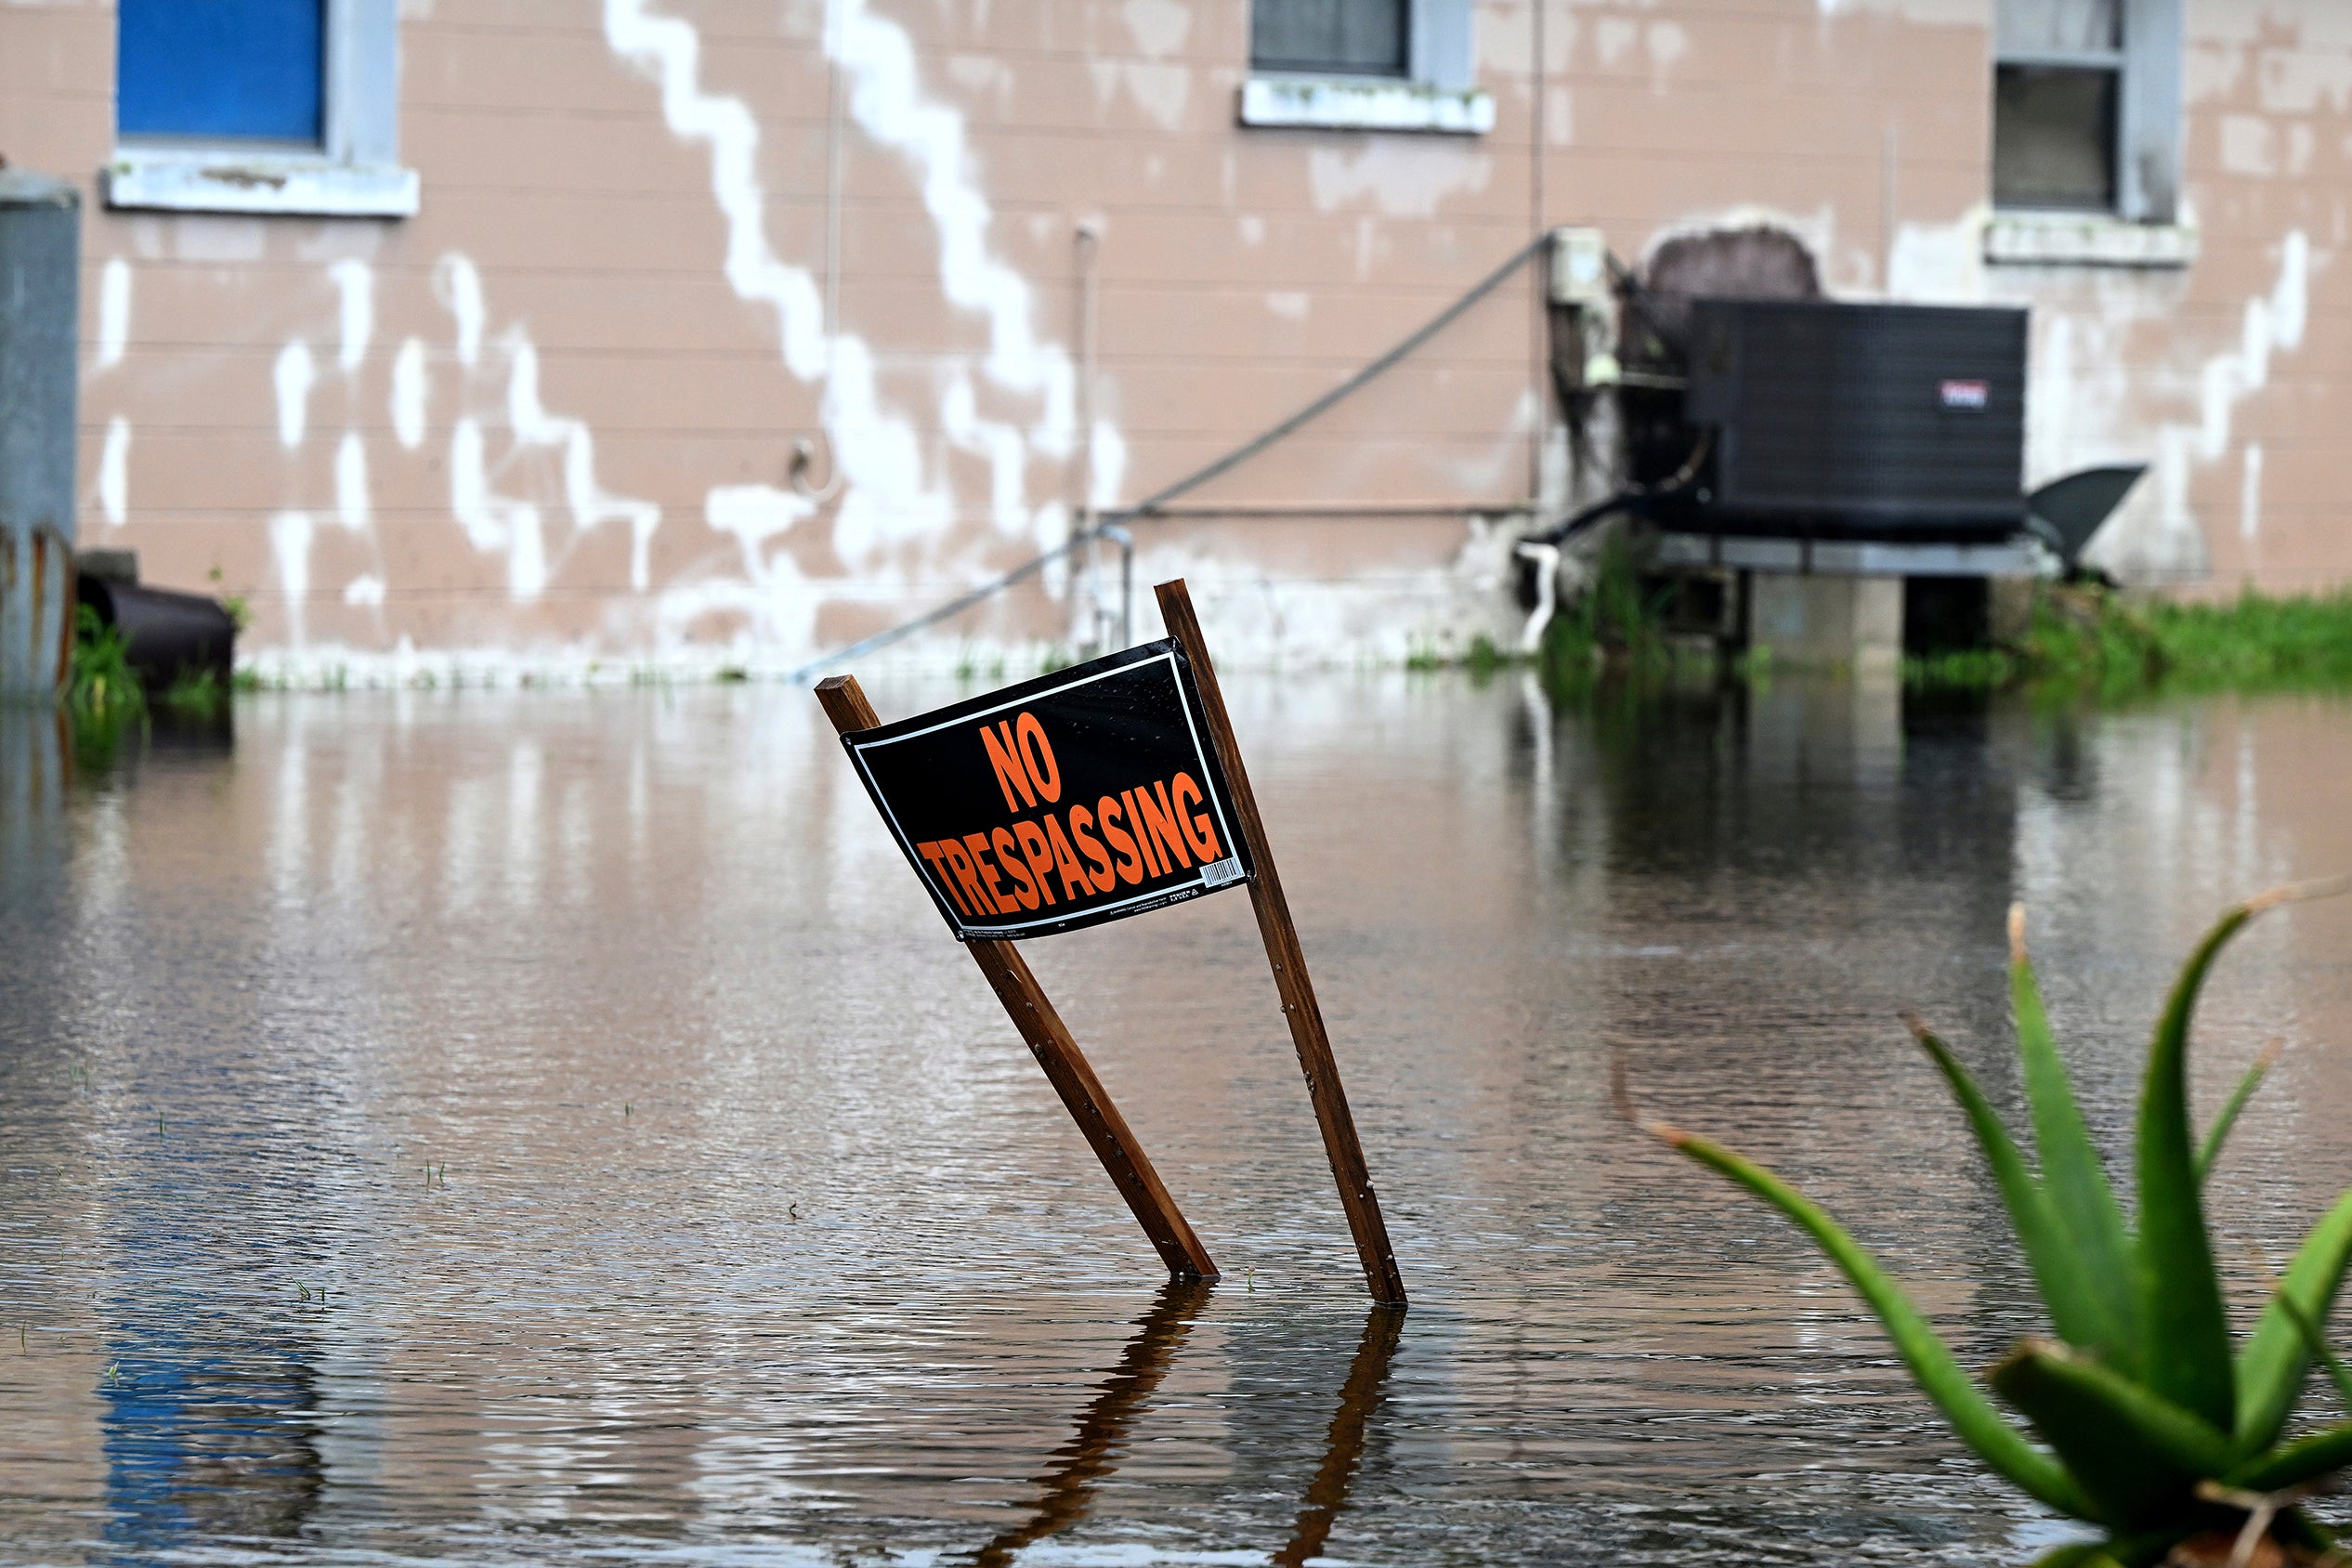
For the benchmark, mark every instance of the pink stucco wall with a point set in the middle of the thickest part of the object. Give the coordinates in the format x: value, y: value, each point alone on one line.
x: 546, y: 422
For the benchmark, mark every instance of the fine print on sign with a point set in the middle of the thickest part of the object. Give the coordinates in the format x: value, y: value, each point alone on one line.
x: 1083, y: 796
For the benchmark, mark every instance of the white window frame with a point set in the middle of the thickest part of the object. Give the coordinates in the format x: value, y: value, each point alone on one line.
x: 1439, y: 91
x: 357, y: 173
x: 2145, y: 229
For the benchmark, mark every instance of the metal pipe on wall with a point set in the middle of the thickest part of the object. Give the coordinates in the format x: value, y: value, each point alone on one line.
x: 1087, y: 242
x: 1538, y: 335
x: 803, y: 448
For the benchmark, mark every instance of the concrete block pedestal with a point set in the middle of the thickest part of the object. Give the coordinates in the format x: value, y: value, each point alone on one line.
x: 1822, y: 622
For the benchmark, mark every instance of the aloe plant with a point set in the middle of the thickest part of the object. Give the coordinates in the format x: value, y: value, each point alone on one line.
x: 2152, y: 1423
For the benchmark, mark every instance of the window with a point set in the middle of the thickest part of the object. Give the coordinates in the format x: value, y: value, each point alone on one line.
x: 1335, y: 37
x: 2086, y: 107
x: 258, y: 106
x: 238, y: 70
x: 1366, y: 65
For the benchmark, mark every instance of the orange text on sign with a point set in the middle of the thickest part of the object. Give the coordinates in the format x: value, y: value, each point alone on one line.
x: 1061, y: 854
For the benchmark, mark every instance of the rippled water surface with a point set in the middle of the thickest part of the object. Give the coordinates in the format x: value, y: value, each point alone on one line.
x: 541, y: 1127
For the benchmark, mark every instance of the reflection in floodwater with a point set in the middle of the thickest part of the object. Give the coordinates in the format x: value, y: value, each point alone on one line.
x: 1359, y: 1402
x: 207, y: 1436
x: 1103, y: 1432
x: 761, y: 1238
x: 1092, y: 1451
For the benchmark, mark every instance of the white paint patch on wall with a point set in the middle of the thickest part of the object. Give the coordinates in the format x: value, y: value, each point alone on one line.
x: 2275, y: 321
x: 495, y: 523
x: 351, y: 482
x: 776, y: 604
x: 459, y: 287
x: 1158, y: 27
x: 365, y: 590
x: 355, y: 283
x: 589, y: 503
x: 114, y: 312
x: 410, y: 390
x: 880, y: 457
x: 888, y: 500
x: 1399, y: 176
x: 1110, y: 466
x: 2250, y: 495
x: 888, y: 103
x: 1939, y: 263
x: 293, y: 375
x: 114, y: 472
x: 2094, y: 386
x: 290, y: 535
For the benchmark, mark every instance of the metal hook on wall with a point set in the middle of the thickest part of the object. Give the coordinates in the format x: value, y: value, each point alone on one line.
x: 805, y: 458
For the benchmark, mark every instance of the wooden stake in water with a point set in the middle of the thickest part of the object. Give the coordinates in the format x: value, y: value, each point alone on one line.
x: 1289, y: 962
x: 1066, y: 1066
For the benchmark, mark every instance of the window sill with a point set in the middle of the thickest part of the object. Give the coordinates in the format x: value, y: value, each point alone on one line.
x: 2086, y: 239
x: 228, y: 181
x: 1340, y: 103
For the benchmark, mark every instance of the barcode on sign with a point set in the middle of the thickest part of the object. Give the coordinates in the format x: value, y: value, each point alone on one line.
x: 1217, y: 873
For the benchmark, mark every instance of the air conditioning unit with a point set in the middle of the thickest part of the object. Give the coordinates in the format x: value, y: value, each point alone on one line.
x: 1881, y: 422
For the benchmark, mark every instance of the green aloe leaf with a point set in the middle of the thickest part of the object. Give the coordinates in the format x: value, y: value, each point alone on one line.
x: 2303, y: 1459
x: 2140, y: 1456
x: 2077, y: 1309
x: 2071, y: 1170
x: 2272, y: 1367
x: 2219, y: 1134
x: 1972, y: 1416
x: 2316, y: 1340
x: 2181, y: 1313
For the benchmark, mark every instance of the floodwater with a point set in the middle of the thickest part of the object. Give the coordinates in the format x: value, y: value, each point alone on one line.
x: 530, y: 1127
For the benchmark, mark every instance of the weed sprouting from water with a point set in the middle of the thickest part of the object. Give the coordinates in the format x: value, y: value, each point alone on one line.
x: 101, y: 680
x: 103, y: 699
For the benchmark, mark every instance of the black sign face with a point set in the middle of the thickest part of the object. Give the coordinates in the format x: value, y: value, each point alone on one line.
x: 1083, y: 796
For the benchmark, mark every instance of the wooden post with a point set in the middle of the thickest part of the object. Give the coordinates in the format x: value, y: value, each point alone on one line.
x: 1066, y: 1066
x: 1290, y: 970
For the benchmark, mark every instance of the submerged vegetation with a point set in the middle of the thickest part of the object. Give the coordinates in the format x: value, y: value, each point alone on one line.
x: 103, y: 699
x: 2153, y: 1424
x: 2081, y: 640
x: 2093, y: 639
x: 1616, y: 628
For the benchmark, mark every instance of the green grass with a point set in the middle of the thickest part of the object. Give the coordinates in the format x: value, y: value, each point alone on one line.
x: 1614, y: 635
x: 2096, y: 642
x: 196, y: 693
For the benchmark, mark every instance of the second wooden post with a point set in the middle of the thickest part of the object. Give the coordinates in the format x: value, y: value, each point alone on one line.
x: 1307, y: 1033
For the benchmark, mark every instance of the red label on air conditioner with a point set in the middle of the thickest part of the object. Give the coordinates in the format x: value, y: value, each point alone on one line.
x: 1966, y: 394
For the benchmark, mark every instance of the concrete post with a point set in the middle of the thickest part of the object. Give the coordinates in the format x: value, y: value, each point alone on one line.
x: 40, y: 264
x: 1823, y: 622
